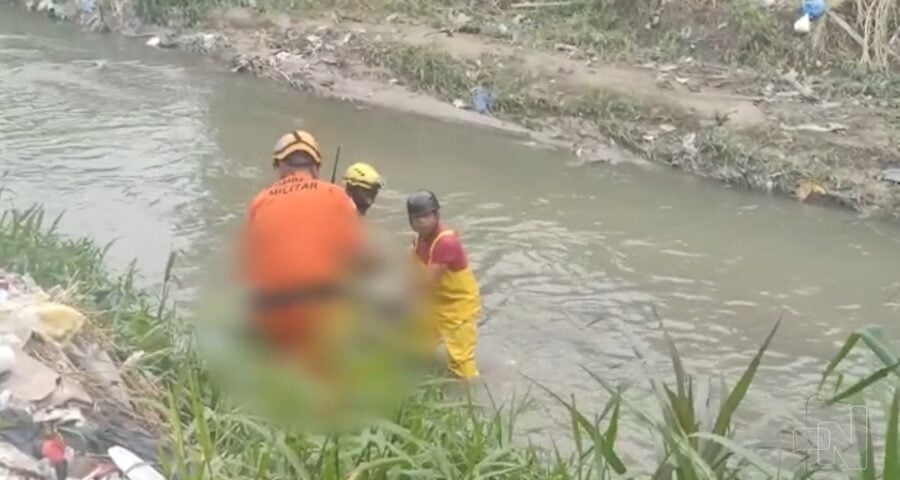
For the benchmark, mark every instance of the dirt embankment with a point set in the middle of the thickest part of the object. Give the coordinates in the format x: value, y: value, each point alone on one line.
x: 688, y: 103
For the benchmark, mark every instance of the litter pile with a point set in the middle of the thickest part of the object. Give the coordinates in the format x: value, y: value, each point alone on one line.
x: 65, y: 405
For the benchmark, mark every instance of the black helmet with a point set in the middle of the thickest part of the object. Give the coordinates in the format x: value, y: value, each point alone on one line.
x: 421, y: 202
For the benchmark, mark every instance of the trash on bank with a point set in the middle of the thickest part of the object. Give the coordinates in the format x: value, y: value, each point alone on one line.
x: 52, y: 368
x: 803, y: 24
x: 132, y: 465
x: 807, y: 189
x: 482, y: 100
x: 890, y: 175
x: 812, y: 127
x: 7, y: 358
x: 15, y: 464
x: 30, y: 380
x: 87, y: 7
x: 810, y: 11
x: 57, y: 322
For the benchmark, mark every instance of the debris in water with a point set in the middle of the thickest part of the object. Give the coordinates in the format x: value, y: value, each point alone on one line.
x: 153, y: 41
x: 808, y: 188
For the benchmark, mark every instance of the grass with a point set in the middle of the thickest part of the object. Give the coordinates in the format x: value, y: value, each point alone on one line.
x: 432, y: 433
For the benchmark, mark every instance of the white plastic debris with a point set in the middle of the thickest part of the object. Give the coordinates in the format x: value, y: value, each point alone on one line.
x: 153, y: 41
x: 208, y: 41
x: 7, y: 358
x: 17, y: 322
x: 16, y: 464
x: 30, y: 380
x: 56, y: 321
x: 59, y: 415
x: 803, y: 24
x: 132, y: 466
x: 890, y: 175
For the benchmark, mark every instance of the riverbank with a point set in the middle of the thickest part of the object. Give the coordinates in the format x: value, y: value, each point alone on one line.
x: 611, y: 83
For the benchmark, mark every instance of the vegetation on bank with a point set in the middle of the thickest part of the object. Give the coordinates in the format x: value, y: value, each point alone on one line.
x: 734, y: 32
x: 432, y: 434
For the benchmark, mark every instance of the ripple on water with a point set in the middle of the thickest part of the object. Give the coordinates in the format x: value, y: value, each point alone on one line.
x: 110, y: 139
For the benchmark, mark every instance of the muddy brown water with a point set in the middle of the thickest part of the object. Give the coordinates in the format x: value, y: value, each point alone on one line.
x: 160, y: 150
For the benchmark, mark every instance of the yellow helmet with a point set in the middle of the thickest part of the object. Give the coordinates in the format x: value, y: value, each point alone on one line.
x: 296, y: 141
x: 363, y: 175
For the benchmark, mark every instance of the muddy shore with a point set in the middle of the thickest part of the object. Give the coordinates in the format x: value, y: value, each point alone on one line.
x: 783, y: 132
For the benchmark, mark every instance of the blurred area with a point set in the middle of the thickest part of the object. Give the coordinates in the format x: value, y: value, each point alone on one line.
x: 373, y: 356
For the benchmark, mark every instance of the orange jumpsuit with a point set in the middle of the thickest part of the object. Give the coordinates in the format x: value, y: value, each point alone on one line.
x: 301, y: 234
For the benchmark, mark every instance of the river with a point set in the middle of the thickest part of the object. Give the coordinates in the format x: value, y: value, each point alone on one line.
x: 160, y: 150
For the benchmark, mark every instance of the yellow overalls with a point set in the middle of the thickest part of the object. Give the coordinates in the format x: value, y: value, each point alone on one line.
x: 453, y: 313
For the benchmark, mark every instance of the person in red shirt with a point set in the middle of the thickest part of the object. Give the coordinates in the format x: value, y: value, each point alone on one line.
x: 454, y: 298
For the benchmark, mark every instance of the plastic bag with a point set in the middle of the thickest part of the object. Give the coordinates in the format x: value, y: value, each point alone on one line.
x: 803, y: 25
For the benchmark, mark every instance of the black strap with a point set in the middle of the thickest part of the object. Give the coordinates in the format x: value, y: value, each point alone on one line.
x: 293, y: 296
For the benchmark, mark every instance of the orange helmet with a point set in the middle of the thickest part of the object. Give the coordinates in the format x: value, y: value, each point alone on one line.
x: 296, y: 141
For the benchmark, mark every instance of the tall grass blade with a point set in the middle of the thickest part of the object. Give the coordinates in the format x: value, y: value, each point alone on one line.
x: 892, y: 439
x: 677, y: 364
x: 851, y: 341
x: 723, y: 420
x: 606, y: 451
x: 863, y: 384
x: 874, y: 339
x: 742, y: 452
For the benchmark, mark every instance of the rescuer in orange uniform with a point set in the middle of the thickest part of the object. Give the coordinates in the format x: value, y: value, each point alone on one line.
x: 300, y: 243
x: 454, y: 299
